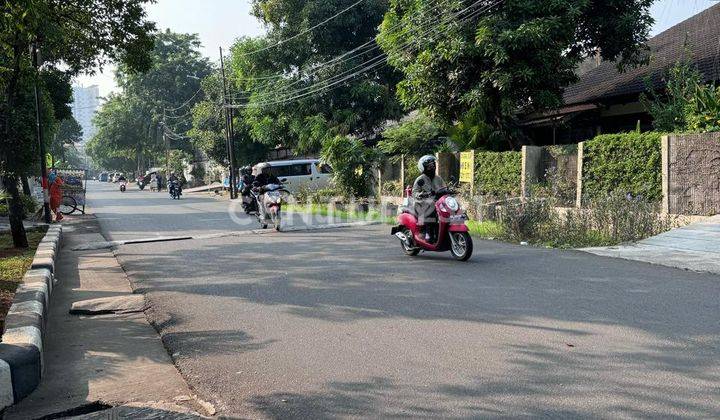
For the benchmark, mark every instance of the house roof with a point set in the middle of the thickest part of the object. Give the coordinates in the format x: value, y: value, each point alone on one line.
x: 701, y: 34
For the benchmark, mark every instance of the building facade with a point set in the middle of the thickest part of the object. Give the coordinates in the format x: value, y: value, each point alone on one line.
x: 86, y: 101
x: 606, y: 100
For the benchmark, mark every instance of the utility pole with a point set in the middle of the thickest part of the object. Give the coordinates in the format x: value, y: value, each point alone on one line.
x: 228, y: 130
x: 41, y: 143
x: 167, y: 149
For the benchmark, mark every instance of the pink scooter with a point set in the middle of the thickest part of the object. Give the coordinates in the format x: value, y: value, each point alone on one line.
x: 452, y: 234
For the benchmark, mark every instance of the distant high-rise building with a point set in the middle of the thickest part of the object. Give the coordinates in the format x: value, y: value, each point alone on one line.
x: 86, y: 102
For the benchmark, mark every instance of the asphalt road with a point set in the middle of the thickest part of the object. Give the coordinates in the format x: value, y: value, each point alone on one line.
x: 338, y: 323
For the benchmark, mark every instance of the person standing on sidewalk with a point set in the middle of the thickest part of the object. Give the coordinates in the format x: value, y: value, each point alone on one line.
x: 56, y: 197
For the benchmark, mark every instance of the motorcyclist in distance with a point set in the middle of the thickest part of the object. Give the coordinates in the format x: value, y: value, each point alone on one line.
x: 174, y: 182
x: 247, y: 179
x: 423, y: 192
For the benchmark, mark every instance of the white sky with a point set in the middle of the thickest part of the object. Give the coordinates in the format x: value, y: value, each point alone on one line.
x: 220, y: 22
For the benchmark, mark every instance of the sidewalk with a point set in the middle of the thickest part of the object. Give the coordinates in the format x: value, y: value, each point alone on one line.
x: 693, y: 247
x: 204, y: 188
x: 118, y: 360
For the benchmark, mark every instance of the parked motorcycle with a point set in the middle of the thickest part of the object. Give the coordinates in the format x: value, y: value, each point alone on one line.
x: 449, y: 234
x: 175, y: 190
x: 269, y: 202
x: 140, y: 183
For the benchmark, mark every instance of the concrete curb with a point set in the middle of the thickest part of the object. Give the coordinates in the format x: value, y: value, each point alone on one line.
x: 21, y: 350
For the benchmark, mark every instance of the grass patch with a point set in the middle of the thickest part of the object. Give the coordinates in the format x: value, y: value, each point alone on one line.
x: 14, y: 262
x: 487, y: 229
x: 343, y: 215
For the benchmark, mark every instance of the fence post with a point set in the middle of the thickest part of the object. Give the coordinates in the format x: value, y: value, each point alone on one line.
x: 530, y: 168
x: 379, y: 181
x: 665, y: 153
x: 579, y: 192
x: 402, y: 174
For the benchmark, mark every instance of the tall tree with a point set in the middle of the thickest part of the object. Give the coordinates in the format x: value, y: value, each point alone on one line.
x: 501, y: 58
x: 158, y: 99
x: 295, y: 89
x: 73, y: 36
x: 125, y: 135
x: 171, y: 86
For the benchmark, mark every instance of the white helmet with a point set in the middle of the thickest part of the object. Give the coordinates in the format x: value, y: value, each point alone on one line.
x: 424, y: 161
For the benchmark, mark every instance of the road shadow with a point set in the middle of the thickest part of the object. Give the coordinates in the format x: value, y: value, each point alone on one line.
x: 353, y: 275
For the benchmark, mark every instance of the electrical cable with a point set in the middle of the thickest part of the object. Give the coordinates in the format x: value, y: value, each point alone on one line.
x: 314, y: 89
x: 371, y: 42
x: 340, y: 76
x: 283, y: 41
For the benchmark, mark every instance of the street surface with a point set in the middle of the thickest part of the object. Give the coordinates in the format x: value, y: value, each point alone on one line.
x: 339, y: 323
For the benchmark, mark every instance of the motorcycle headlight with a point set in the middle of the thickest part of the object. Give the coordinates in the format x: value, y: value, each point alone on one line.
x: 273, y: 196
x: 452, y: 204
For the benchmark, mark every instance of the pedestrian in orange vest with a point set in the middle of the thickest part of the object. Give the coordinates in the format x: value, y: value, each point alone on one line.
x: 56, y: 197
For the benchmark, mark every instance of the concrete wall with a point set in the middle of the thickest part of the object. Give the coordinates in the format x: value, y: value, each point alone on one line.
x: 532, y: 168
x: 448, y: 166
x: 691, y: 174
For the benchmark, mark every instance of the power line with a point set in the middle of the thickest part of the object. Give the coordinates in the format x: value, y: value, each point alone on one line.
x: 186, y: 102
x: 349, y: 54
x: 313, y: 89
x: 426, y: 32
x: 283, y: 41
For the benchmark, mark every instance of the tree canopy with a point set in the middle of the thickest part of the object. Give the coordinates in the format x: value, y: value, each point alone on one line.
x: 130, y: 124
x: 504, y: 58
x: 73, y: 36
x: 296, y: 90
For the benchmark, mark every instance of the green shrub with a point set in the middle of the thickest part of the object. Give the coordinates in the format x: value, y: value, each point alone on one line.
x: 498, y: 173
x: 352, y: 164
x: 305, y: 195
x: 608, y: 220
x: 525, y: 221
x: 626, y: 163
x: 392, y: 188
x: 29, y: 205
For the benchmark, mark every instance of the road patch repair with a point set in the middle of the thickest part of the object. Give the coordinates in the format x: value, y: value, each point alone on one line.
x: 112, y: 244
x: 124, y: 304
x: 21, y: 350
x: 694, y: 247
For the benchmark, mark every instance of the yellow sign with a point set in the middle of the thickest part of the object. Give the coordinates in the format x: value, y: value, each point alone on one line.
x: 467, y: 166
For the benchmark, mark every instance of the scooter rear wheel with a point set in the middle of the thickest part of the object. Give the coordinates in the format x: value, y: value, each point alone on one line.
x: 410, y: 251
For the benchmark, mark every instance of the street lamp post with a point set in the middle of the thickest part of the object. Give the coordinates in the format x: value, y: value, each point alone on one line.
x: 41, y: 143
x: 228, y: 130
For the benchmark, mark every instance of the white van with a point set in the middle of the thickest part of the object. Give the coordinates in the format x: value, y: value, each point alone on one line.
x: 309, y: 173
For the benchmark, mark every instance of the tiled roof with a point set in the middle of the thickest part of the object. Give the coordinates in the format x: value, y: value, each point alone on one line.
x: 701, y: 33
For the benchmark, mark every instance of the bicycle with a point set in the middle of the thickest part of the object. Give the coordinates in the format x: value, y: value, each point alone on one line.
x: 68, y: 205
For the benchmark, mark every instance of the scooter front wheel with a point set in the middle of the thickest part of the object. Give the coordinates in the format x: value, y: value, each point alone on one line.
x: 461, y: 246
x: 276, y: 220
x: 409, y: 250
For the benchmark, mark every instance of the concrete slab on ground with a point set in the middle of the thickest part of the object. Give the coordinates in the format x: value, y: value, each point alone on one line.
x: 116, y: 359
x: 693, y: 247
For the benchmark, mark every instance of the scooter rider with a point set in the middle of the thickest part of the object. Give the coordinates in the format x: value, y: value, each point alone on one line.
x: 263, y: 177
x: 423, y: 192
x: 173, y: 183
x: 247, y: 179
